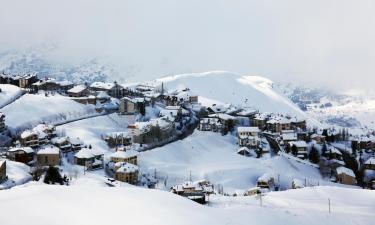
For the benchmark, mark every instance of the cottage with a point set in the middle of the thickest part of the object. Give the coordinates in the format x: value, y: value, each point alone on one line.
x: 191, y: 190
x: 278, y: 124
x: 253, y: 191
x: 288, y: 137
x: 266, y: 181
x: 48, y: 156
x: 3, y: 170
x: 176, y: 112
x: 29, y: 138
x: 345, y: 176
x: 245, y: 151
x: 129, y: 156
x: 127, y: 172
x: 21, y: 154
x: 333, y: 153
x: 47, y: 129
x: 62, y: 143
x: 318, y: 138
x: 113, y: 89
x: 298, y: 124
x: 153, y: 131
x: 210, y: 124
x: 260, y: 120
x: 370, y: 164
x: 296, y: 184
x: 88, y: 158
x: 248, y: 136
x: 131, y: 106
x: 116, y: 139
x: 300, y: 148
x: 76, y: 144
x: 79, y: 91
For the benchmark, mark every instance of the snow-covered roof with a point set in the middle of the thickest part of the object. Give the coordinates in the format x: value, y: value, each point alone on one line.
x: 289, y: 137
x: 49, y: 150
x: 334, y: 150
x: 103, y: 95
x: 265, y: 178
x: 78, y: 88
x: 127, y: 168
x: 124, y: 154
x: 134, y: 100
x: 59, y: 140
x: 75, y: 141
x: 85, y: 153
x: 370, y: 161
x: 247, y: 112
x: 64, y: 83
x: 28, y: 133
x: 298, y: 144
x: 102, y: 85
x: 248, y: 129
x: 243, y: 149
x: 43, y: 127
x: 222, y: 116
x: 25, y: 149
x: 344, y: 170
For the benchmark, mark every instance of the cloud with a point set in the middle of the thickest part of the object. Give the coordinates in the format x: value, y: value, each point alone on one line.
x: 326, y: 42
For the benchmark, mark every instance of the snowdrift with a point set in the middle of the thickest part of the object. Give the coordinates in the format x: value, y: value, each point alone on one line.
x: 55, y: 205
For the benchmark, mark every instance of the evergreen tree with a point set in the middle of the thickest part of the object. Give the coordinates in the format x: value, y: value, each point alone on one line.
x: 314, y: 155
x: 324, y: 149
x: 53, y: 176
x: 294, y: 150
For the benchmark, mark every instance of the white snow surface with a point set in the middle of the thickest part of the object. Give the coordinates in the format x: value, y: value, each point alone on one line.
x: 227, y: 87
x: 129, y: 205
x: 8, y: 93
x: 30, y: 110
x: 214, y: 157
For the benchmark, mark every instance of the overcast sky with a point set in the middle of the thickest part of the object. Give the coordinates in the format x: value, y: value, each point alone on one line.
x: 322, y: 41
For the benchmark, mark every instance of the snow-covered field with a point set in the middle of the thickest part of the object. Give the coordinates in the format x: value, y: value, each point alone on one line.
x: 77, y: 205
x: 213, y: 157
x: 8, y: 93
x: 91, y: 131
x: 32, y: 109
x: 18, y: 173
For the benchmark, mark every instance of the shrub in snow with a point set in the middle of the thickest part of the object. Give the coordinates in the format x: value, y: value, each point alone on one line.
x: 53, y: 176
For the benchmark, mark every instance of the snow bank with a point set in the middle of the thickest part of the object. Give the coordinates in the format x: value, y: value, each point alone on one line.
x: 18, y: 173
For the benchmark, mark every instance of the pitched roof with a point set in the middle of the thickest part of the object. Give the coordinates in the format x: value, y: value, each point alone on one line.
x: 49, y: 150
x: 248, y: 129
x: 78, y: 88
x: 127, y: 168
x: 84, y: 153
x: 370, y: 161
x: 124, y: 154
x: 344, y: 170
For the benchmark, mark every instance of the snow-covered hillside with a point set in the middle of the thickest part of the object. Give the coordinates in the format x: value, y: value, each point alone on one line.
x: 46, y: 205
x: 214, y: 157
x: 32, y: 109
x: 18, y: 173
x: 8, y: 94
x: 227, y: 87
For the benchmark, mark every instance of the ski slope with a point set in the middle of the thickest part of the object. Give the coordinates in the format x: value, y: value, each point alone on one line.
x: 61, y: 205
x: 214, y: 157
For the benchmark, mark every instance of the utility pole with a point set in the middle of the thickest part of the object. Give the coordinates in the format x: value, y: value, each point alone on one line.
x: 329, y: 205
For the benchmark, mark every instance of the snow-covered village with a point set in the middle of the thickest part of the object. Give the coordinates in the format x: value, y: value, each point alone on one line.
x: 154, y: 140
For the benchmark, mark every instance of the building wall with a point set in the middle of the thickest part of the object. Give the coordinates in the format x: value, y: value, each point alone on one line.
x: 48, y: 159
x: 346, y: 179
x: 131, y: 178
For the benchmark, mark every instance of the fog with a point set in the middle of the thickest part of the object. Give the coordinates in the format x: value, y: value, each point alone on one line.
x: 328, y: 43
